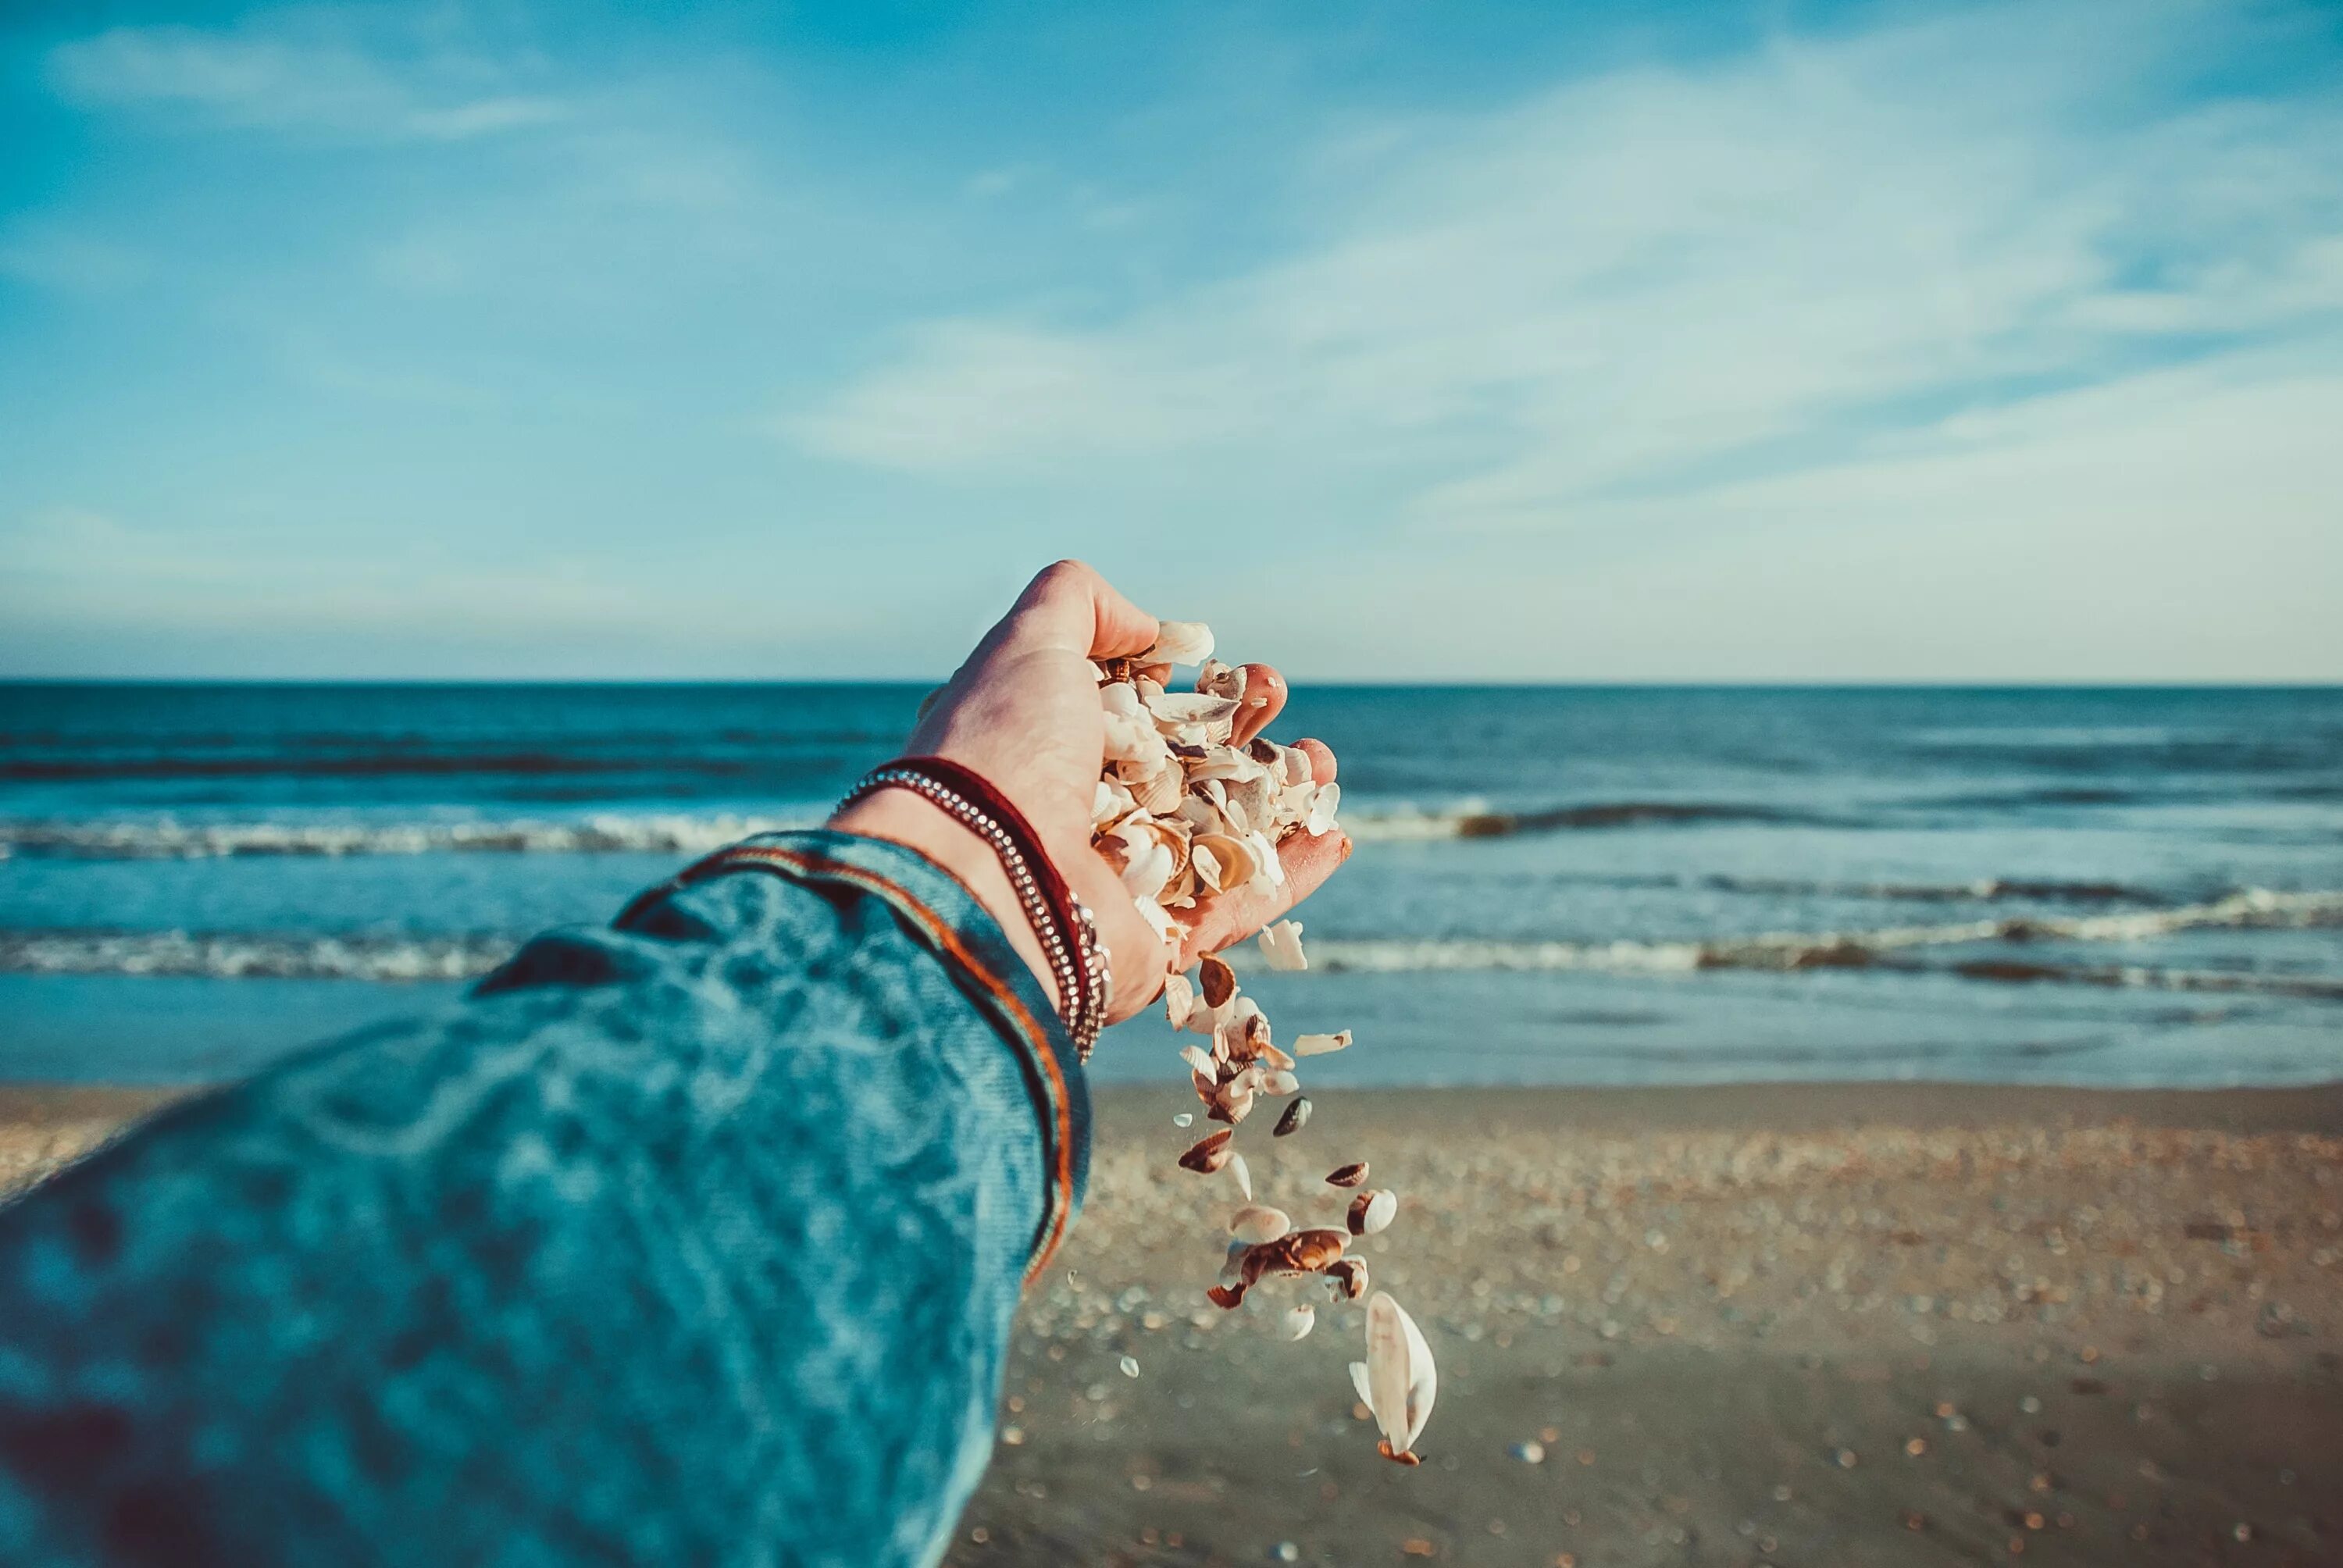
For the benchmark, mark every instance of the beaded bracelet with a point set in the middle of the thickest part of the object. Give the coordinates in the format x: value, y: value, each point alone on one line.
x: 1068, y: 932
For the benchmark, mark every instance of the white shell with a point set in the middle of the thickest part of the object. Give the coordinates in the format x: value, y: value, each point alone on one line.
x: 1186, y: 708
x: 1256, y: 1223
x: 1241, y: 1174
x: 1281, y: 944
x: 1299, y: 1320
x: 1400, y: 1380
x: 1381, y: 1208
x: 1322, y: 803
x: 1279, y: 1081
x: 1198, y: 1061
x: 1320, y: 1045
x: 1180, y: 642
x: 1358, y: 1381
x: 1179, y: 1000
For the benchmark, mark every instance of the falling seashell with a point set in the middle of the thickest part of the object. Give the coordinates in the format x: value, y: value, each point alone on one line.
x: 1280, y: 1081
x: 1256, y: 1224
x: 1280, y: 945
x: 1295, y: 1253
x: 1372, y: 1212
x: 1218, y: 982
x: 1241, y: 1174
x: 1347, y: 1175
x: 1321, y: 1044
x: 1299, y: 1320
x: 1232, y: 1102
x: 1180, y: 642
x: 1198, y: 1059
x: 1349, y: 1278
x: 1209, y: 1153
x: 1358, y: 1381
x: 1401, y: 1382
x: 1179, y: 1000
x: 1226, y: 1297
x: 1294, y: 1118
x: 1233, y: 1265
x: 1185, y: 1118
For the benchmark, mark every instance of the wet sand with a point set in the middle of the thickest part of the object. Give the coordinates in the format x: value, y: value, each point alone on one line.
x: 1800, y: 1325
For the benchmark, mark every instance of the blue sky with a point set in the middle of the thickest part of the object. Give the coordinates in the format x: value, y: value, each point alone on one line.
x: 1400, y: 341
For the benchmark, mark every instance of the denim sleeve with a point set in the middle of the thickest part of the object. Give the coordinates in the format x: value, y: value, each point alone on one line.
x: 696, y: 1240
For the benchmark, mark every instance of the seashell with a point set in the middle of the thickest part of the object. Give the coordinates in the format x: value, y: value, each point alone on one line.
x: 1163, y: 793
x: 1349, y: 1277
x: 1180, y: 642
x: 1179, y: 1000
x: 1322, y: 803
x: 1198, y: 1061
x: 1294, y: 1118
x: 1130, y: 742
x: 1373, y: 1211
x: 1358, y: 1381
x: 1120, y: 698
x: 1205, y: 868
x: 1236, y: 860
x: 1347, y: 1175
x: 1224, y: 762
x: 1321, y: 1044
x: 1233, y: 1102
x: 1208, y: 1154
x: 1233, y: 1265
x: 1226, y: 1297
x: 1277, y: 1081
x: 1110, y: 802
x: 1281, y: 944
x: 1256, y: 1224
x: 1218, y: 980
x: 1208, y: 1084
x: 1293, y: 767
x: 1190, y: 708
x: 1217, y: 679
x: 1241, y: 1174
x: 1268, y: 873
x: 1148, y: 863
x: 1157, y: 920
x: 1400, y: 1379
x: 1295, y: 1253
x: 1298, y: 1322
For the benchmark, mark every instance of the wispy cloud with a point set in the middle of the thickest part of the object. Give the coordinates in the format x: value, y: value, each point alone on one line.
x: 297, y: 73
x: 1670, y: 278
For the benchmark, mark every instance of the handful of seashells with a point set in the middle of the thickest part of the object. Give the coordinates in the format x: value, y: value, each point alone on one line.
x: 1185, y: 815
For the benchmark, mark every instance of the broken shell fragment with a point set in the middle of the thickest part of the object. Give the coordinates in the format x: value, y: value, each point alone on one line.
x: 1226, y: 1297
x: 1180, y: 642
x: 1256, y: 1223
x: 1349, y: 1278
x: 1279, y: 1081
x: 1209, y: 1153
x: 1321, y: 1044
x: 1296, y: 1117
x: 1299, y: 1320
x: 1372, y: 1212
x: 1281, y: 946
x: 1219, y: 981
x: 1347, y: 1175
x: 1241, y: 1174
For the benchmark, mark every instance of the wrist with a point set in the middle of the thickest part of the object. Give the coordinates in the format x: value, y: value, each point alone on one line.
x: 903, y: 817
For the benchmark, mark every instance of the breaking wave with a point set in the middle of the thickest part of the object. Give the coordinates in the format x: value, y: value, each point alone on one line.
x: 240, y: 956
x: 395, y: 957
x: 167, y: 839
x: 2253, y: 908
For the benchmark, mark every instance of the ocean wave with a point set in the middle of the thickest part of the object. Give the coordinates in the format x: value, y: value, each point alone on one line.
x: 246, y: 955
x: 1478, y: 820
x: 2253, y: 909
x: 167, y: 839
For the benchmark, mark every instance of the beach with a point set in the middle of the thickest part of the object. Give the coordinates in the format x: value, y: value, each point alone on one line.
x: 1801, y: 1324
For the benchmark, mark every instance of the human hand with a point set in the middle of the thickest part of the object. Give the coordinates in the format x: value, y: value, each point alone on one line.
x: 1023, y: 712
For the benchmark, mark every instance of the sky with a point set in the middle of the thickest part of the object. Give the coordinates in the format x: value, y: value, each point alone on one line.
x: 1602, y: 342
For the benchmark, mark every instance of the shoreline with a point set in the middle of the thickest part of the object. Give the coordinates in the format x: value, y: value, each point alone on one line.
x: 1815, y: 1324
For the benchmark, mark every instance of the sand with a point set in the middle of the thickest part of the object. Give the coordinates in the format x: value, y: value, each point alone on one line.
x: 1802, y: 1326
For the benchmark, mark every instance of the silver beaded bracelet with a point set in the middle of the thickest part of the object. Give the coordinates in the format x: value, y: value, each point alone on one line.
x: 1078, y: 959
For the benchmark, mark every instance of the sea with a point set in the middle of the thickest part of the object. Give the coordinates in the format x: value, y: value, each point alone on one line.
x: 1618, y: 885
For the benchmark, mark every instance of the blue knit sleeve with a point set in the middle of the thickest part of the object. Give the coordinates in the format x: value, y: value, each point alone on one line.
x: 693, y: 1240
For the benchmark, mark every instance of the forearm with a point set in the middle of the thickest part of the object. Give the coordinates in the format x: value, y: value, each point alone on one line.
x: 695, y: 1241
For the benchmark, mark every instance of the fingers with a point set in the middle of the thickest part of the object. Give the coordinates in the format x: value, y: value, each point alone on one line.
x: 1264, y: 700
x: 1307, y: 861
x: 1070, y: 607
